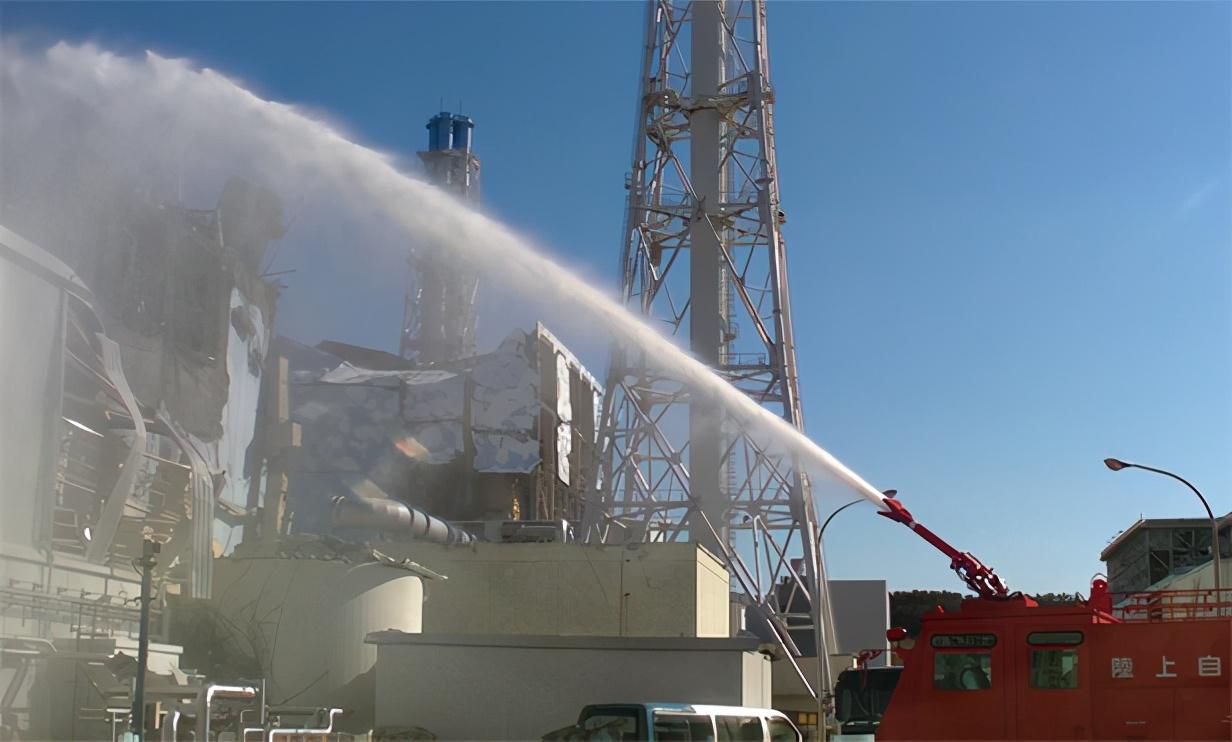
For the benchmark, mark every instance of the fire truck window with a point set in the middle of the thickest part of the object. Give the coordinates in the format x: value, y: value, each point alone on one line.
x: 962, y: 670
x: 1065, y: 638
x: 1054, y: 668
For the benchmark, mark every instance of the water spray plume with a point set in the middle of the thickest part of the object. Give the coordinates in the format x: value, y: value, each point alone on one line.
x: 152, y: 113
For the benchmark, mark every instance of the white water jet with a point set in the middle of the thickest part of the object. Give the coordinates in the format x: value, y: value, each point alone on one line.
x: 160, y: 117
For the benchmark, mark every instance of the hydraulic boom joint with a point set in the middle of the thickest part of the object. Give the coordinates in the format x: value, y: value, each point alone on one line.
x: 972, y: 571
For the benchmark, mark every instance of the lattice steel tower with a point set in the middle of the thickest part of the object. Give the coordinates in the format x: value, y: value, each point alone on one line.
x: 702, y: 254
x: 438, y: 320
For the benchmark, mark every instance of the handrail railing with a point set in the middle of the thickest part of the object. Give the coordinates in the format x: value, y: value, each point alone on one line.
x: 1172, y: 605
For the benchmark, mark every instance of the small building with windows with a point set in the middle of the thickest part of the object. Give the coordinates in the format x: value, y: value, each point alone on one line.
x: 1155, y: 551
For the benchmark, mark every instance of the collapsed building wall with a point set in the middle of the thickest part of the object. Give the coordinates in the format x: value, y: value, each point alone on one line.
x: 506, y: 435
x: 135, y: 337
x: 178, y: 291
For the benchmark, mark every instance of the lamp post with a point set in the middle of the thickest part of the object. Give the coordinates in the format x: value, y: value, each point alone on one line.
x: 822, y: 531
x: 146, y: 563
x: 1117, y: 465
x: 821, y: 710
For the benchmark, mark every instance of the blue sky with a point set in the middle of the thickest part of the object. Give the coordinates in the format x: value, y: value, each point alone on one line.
x: 1009, y: 230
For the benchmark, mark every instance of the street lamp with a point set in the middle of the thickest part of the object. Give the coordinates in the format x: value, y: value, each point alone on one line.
x: 821, y: 711
x: 1117, y: 465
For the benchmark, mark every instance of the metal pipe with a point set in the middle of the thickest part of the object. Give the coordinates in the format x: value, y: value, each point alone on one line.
x: 393, y: 516
x: 205, y: 699
x: 171, y: 725
x: 327, y: 729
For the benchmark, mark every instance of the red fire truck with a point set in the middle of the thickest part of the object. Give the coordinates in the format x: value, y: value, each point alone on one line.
x: 1141, y: 666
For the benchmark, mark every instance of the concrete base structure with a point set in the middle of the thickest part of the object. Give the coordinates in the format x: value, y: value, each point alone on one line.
x: 570, y: 589
x: 303, y: 622
x: 73, y: 689
x: 519, y: 687
x: 55, y: 610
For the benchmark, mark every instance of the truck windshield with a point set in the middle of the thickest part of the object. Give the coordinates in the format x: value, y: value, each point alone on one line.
x: 864, y: 696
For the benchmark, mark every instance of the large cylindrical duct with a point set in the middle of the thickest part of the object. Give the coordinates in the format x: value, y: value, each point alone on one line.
x: 462, y: 126
x: 392, y: 516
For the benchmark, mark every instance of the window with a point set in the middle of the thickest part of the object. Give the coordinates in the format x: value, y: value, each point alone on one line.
x: 683, y: 728
x: 1064, y: 638
x: 782, y: 731
x: 738, y: 728
x: 1054, y: 668
x: 962, y: 670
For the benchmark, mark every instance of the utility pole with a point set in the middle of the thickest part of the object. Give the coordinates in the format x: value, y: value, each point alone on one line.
x: 145, y: 564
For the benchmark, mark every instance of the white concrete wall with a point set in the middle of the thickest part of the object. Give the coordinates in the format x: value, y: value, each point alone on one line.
x: 755, y: 680
x: 30, y: 341
x: 861, y: 616
x: 713, y: 588
x: 513, y: 688
x: 573, y: 589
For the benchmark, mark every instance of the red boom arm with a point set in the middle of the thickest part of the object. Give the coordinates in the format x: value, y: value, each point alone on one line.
x: 979, y: 578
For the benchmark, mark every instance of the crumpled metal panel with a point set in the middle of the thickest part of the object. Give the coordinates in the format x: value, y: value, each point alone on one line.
x: 202, y: 514
x: 245, y: 356
x: 432, y: 411
x: 564, y: 418
x: 113, y: 508
x: 505, y: 408
x: 349, y: 374
x: 358, y: 420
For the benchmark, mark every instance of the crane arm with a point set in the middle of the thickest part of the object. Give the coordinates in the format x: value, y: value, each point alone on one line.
x: 972, y: 571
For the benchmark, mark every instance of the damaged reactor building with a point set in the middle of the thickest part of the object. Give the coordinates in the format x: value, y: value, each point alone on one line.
x: 336, y: 539
x: 138, y: 333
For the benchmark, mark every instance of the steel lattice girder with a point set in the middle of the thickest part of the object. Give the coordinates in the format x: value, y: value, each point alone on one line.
x: 648, y: 436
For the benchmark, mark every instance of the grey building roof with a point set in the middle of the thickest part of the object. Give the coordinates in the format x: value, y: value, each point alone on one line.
x: 1143, y: 523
